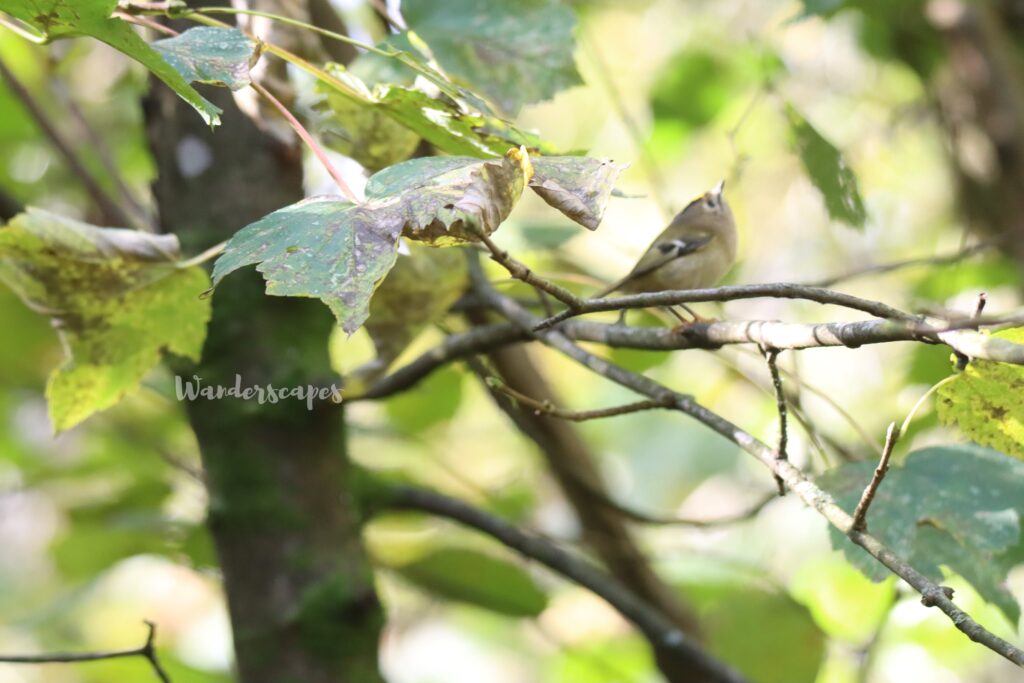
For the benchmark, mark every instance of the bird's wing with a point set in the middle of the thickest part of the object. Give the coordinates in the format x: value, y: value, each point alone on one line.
x: 658, y: 256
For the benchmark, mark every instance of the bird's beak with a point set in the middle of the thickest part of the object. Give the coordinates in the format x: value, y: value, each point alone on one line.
x: 718, y: 189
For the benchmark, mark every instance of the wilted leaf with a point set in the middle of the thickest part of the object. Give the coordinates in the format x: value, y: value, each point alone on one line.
x: 828, y: 171
x: 116, y: 298
x: 514, y: 53
x: 338, y: 252
x: 450, y: 125
x: 747, y: 625
x: 452, y: 199
x: 984, y: 401
x: 65, y: 19
x: 579, y: 187
x: 207, y: 54
x: 478, y: 579
x: 957, y: 506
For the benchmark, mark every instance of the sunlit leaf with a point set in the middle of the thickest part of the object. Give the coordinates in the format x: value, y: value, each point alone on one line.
x: 476, y: 578
x: 338, y: 252
x: 828, y: 171
x: 65, y: 19
x: 116, y: 298
x: 514, y: 53
x: 207, y: 54
x: 957, y: 506
x: 451, y: 125
x: 984, y: 401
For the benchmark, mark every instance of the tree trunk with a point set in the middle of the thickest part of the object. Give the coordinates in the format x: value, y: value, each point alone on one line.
x: 298, y: 582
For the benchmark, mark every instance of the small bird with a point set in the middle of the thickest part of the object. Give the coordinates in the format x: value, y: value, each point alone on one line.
x: 696, y: 249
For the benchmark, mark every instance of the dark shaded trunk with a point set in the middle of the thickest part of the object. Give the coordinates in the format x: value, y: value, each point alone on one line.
x: 298, y: 582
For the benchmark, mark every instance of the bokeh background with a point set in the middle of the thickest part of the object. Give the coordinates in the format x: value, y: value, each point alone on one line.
x: 100, y: 527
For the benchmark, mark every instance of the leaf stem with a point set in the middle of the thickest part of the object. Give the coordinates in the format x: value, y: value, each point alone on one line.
x: 301, y: 131
x: 292, y: 22
x: 213, y: 252
x: 920, y: 402
x: 23, y: 30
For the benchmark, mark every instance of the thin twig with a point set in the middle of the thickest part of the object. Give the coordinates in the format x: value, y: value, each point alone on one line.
x: 301, y: 131
x: 111, y: 210
x: 60, y: 90
x: 521, y: 272
x: 146, y: 650
x: 880, y: 268
x: 771, y: 355
x: 860, y: 513
x: 546, y: 408
x: 655, y: 626
x: 933, y: 595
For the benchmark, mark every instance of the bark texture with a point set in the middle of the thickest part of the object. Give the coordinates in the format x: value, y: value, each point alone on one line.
x: 298, y: 582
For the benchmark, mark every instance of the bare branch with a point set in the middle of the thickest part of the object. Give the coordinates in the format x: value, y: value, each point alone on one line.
x: 932, y: 593
x: 880, y: 268
x: 860, y: 514
x: 709, y: 335
x: 147, y: 650
x: 111, y: 210
x: 547, y: 408
x: 774, y: 290
x: 655, y: 626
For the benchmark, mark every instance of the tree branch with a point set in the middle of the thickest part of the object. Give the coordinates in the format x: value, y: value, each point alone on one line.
x: 709, y: 335
x: 111, y: 210
x: 932, y: 594
x: 147, y: 650
x: 656, y: 627
x: 775, y: 290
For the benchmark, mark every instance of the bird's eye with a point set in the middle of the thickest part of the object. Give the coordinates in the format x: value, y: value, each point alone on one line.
x: 711, y: 203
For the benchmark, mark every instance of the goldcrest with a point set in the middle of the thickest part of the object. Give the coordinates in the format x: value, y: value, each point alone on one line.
x: 694, y: 251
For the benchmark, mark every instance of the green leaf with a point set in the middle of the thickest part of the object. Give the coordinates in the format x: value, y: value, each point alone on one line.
x: 514, y: 53
x: 338, y: 252
x: 984, y: 401
x: 66, y: 19
x: 364, y: 131
x: 747, y: 625
x: 957, y: 506
x: 116, y: 298
x: 449, y: 123
x: 579, y: 187
x: 207, y: 54
x: 417, y: 292
x: 828, y: 171
x: 476, y: 578
x: 433, y: 401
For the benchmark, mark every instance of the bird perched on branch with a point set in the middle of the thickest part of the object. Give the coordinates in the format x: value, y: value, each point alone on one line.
x: 696, y: 249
